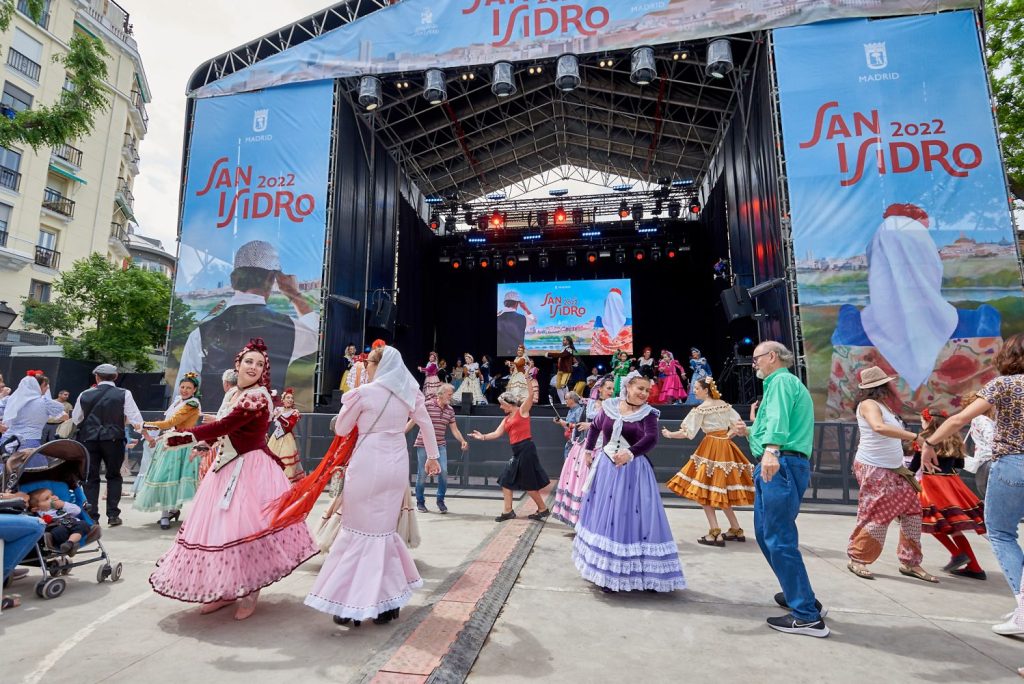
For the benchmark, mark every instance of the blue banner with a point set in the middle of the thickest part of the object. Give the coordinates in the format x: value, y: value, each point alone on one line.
x: 906, y: 257
x: 419, y: 34
x: 252, y: 235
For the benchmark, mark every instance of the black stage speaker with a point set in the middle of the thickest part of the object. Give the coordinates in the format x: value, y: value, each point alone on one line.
x: 736, y: 303
x: 382, y: 315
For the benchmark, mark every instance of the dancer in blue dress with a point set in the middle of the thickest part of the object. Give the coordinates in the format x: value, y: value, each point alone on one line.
x: 699, y: 368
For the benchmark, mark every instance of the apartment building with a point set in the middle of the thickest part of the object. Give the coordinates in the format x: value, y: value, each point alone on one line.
x: 60, y: 205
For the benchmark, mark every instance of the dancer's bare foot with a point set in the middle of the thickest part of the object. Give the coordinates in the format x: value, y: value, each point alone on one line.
x: 214, y: 607
x: 247, y: 606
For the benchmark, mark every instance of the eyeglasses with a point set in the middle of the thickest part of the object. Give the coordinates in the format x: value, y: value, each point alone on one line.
x: 755, y: 357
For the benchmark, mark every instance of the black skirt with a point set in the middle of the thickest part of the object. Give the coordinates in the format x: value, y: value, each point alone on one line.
x: 524, y: 471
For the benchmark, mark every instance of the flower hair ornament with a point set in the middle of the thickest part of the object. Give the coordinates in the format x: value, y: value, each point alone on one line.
x: 257, y: 344
x: 712, y: 387
x: 927, y: 415
x: 34, y: 373
x: 378, y: 343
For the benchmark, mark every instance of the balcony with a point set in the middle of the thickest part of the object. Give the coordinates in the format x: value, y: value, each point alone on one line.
x: 138, y: 111
x: 58, y: 203
x: 118, y: 231
x: 23, y: 64
x: 10, y: 179
x: 12, y: 258
x: 114, y: 19
x: 130, y: 150
x: 43, y: 20
x: 49, y: 258
x: 69, y: 155
x: 124, y: 197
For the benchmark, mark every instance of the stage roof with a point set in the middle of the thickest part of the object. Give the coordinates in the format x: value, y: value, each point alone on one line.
x: 476, y: 142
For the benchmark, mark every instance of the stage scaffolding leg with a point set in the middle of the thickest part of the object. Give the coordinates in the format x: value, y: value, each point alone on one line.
x: 325, y: 274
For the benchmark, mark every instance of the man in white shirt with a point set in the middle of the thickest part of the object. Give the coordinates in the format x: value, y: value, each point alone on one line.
x: 211, y: 348
x: 100, y: 414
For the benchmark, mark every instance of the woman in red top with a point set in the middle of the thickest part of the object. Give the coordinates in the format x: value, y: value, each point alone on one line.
x: 229, y: 549
x: 524, y: 471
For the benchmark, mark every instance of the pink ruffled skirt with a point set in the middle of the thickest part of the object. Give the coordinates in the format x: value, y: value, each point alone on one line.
x: 569, y: 494
x: 226, y: 549
x: 369, y: 569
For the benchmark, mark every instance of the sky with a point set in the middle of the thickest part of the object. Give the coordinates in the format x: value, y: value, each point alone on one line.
x: 174, y: 39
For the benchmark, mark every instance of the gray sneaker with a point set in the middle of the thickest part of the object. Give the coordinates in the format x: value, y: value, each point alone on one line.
x: 441, y: 507
x: 421, y: 507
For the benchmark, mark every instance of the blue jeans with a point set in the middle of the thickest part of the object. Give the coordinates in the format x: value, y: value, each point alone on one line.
x: 20, y: 533
x: 776, y: 505
x: 421, y: 473
x: 1004, y: 508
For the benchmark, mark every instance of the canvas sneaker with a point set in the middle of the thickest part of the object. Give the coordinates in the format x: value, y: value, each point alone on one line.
x: 790, y: 625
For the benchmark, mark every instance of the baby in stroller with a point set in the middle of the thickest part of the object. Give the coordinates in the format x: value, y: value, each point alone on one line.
x: 64, y: 526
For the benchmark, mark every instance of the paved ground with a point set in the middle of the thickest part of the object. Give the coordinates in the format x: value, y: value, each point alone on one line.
x: 552, y: 626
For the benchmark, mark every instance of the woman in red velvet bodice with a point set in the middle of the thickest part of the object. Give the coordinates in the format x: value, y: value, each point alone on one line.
x: 229, y: 549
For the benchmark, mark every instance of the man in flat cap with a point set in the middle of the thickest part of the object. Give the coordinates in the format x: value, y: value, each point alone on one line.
x: 211, y: 348
x: 101, y: 414
x: 512, y: 324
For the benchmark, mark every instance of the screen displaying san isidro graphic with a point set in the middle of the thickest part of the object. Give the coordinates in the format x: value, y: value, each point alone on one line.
x: 596, y: 314
x: 906, y: 257
x: 252, y: 237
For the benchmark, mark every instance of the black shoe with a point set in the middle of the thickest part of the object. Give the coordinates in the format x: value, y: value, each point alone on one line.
x: 114, y: 522
x: 422, y: 508
x: 165, y: 524
x: 540, y: 515
x: 780, y: 599
x: 66, y: 548
x: 338, y: 620
x: 956, y: 562
x: 790, y: 625
x: 441, y: 507
x: 505, y: 516
x: 972, y: 574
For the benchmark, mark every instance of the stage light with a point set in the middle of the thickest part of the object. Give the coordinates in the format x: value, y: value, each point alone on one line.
x: 498, y: 220
x: 449, y: 224
x: 694, y: 206
x: 542, y: 219
x: 524, y: 257
x: 457, y: 263
x: 592, y: 233
x: 646, y: 230
x: 535, y: 70
x: 503, y: 82
x: 476, y: 239
x: 435, y: 221
x: 655, y: 253
x: 719, y: 58
x: 496, y: 196
x: 567, y: 75
x: 510, y: 261
x: 482, y: 222
x: 532, y: 237
x: 622, y: 187
x: 681, y: 54
x: 682, y: 182
x: 577, y: 216
x: 639, y: 254
x: 606, y: 63
x: 435, y: 199
x: 674, y: 207
x: 469, y: 218
x: 496, y: 261
x: 435, y: 90
x: 620, y: 255
x: 560, y: 216
x: 570, y: 258
x: 642, y: 68
x: 605, y: 253
x: 658, y: 207
x: 468, y: 76
x: 542, y: 260
x: 623, y: 209
x: 485, y: 262
x: 444, y: 259
x: 746, y: 340
x: 671, y: 252
x: 637, y: 211
x: 470, y: 263
x: 370, y: 93
x: 558, y: 192
x: 591, y: 257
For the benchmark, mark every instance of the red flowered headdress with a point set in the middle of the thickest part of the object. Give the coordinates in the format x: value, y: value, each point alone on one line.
x: 257, y: 344
x: 378, y: 343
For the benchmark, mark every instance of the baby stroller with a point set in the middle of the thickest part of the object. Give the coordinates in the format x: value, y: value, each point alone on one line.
x: 65, y: 467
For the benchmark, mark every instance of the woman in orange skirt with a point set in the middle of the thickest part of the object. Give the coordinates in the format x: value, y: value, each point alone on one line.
x: 718, y: 475
x: 948, y: 506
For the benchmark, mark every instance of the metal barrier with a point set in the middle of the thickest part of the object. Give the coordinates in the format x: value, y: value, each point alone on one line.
x: 832, y: 479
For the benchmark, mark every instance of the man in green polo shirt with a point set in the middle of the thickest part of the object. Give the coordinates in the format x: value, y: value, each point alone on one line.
x: 781, y: 439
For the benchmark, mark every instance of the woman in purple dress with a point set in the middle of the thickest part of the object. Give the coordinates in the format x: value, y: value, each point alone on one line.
x: 623, y: 541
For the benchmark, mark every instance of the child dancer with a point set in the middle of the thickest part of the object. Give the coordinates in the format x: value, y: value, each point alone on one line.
x: 948, y: 506
x: 282, y: 442
x: 621, y: 367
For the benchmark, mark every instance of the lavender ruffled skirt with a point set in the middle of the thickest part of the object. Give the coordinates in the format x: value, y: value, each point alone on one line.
x: 623, y: 541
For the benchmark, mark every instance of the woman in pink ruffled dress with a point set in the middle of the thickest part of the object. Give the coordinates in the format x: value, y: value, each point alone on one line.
x: 228, y: 549
x: 369, y: 572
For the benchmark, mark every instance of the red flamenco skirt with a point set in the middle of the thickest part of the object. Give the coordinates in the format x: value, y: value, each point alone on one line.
x: 948, y: 505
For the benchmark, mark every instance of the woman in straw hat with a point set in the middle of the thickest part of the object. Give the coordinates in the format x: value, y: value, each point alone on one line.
x: 888, y: 490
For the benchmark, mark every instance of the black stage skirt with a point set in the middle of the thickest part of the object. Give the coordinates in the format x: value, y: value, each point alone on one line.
x: 524, y: 471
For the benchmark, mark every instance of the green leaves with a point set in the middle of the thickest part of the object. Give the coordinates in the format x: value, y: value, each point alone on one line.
x: 1004, y: 50
x: 105, y: 314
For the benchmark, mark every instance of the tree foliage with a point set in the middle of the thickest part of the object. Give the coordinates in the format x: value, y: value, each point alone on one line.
x: 1005, y: 53
x: 105, y: 314
x: 74, y: 113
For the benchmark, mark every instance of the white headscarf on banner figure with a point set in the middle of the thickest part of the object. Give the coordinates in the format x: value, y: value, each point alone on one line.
x: 392, y: 374
x: 614, y: 318
x: 28, y: 391
x: 907, y: 319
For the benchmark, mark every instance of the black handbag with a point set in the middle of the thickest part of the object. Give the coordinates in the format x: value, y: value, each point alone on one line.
x: 12, y: 506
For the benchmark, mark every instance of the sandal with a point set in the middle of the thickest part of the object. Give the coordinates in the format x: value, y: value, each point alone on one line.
x: 734, y: 534
x: 918, y: 573
x: 712, y: 538
x: 861, y: 570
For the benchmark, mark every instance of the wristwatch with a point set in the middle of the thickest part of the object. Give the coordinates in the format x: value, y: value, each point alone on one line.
x: 773, y: 451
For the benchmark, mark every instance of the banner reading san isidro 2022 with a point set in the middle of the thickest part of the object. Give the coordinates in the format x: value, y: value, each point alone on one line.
x: 905, y: 252
x: 252, y: 236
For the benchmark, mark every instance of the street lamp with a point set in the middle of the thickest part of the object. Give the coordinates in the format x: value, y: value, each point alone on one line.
x: 7, y: 316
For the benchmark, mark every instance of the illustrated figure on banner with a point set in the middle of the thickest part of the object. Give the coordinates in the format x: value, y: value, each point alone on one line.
x: 212, y: 346
x: 613, y: 330
x: 908, y: 328
x: 512, y: 324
